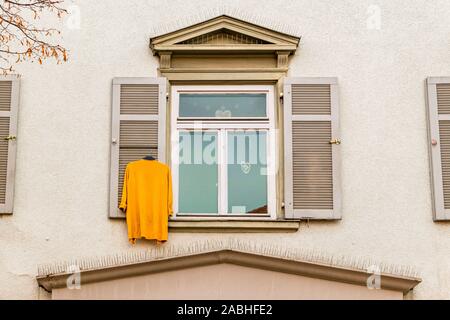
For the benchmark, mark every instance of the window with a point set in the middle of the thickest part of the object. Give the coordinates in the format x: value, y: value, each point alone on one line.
x: 223, y: 147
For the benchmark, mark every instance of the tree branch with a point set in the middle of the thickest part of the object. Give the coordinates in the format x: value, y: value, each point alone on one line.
x: 21, y: 40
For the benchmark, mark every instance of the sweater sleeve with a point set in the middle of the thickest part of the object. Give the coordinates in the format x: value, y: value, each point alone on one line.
x: 169, y: 195
x: 123, y: 203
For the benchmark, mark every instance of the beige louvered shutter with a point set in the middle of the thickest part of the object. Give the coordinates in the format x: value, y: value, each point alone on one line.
x: 138, y: 128
x: 9, y: 104
x: 311, y: 141
x: 438, y: 92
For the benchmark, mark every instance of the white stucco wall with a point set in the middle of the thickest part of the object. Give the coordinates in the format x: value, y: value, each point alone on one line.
x: 61, y: 199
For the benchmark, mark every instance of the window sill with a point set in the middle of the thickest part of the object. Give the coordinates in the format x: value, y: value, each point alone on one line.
x: 246, y: 226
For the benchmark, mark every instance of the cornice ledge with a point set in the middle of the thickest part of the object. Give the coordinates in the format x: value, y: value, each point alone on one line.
x: 241, y: 226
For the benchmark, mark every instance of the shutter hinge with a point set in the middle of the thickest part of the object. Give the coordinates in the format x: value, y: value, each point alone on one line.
x: 335, y: 141
x: 10, y: 138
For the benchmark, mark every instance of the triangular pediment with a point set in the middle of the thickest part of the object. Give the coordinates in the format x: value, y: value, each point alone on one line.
x: 224, y: 32
x: 254, y: 255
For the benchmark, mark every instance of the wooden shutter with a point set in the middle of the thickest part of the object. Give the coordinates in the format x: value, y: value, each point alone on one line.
x: 311, y: 158
x: 438, y: 94
x: 138, y: 128
x: 9, y: 104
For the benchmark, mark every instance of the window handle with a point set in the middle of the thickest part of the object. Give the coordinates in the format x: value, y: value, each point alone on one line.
x: 335, y: 141
x: 9, y: 138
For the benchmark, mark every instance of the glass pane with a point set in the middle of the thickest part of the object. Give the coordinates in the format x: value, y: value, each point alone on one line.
x: 198, y: 172
x: 223, y: 105
x: 247, y: 172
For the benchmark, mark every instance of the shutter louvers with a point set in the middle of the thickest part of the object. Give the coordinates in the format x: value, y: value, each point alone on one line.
x: 311, y: 127
x: 4, y: 146
x: 9, y: 103
x: 138, y: 128
x: 438, y: 93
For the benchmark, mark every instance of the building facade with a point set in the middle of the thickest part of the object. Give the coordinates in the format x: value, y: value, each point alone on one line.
x: 345, y: 105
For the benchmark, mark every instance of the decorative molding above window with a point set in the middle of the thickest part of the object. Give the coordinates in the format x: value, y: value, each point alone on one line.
x: 224, y: 45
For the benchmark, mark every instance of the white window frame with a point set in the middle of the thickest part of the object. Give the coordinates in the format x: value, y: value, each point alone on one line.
x: 221, y: 125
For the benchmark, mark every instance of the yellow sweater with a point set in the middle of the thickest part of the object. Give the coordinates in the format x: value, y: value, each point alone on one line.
x: 147, y: 199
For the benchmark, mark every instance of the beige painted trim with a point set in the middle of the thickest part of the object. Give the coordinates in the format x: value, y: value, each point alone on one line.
x: 169, y: 49
x: 224, y: 70
x: 222, y: 22
x: 233, y: 48
x: 231, y: 75
x: 229, y: 226
x: 302, y: 268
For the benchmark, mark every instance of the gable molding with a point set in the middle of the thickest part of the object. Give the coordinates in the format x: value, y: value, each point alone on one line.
x: 222, y: 22
x: 265, y: 58
x: 310, y: 269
